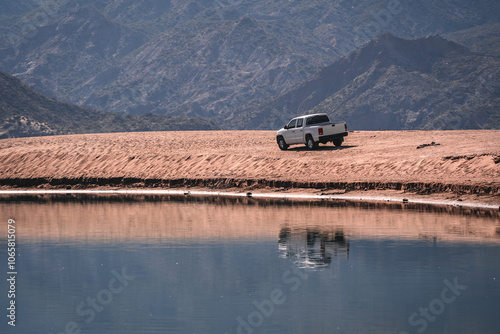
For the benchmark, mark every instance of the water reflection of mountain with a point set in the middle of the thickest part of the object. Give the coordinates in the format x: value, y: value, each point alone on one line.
x: 312, y: 247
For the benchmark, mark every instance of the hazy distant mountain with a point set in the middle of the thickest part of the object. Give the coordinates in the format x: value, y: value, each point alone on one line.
x: 26, y: 113
x: 210, y: 58
x: 392, y: 83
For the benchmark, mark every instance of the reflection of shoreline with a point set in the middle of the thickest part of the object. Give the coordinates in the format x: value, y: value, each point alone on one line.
x: 222, y: 198
x: 312, y: 247
x: 188, y: 219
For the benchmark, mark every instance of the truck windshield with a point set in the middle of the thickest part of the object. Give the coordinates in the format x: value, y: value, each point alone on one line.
x: 317, y: 119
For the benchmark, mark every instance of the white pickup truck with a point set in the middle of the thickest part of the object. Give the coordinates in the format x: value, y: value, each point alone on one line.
x: 311, y: 130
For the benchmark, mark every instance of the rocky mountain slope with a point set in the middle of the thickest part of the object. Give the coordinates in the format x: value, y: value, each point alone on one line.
x: 26, y: 113
x: 392, y: 83
x: 209, y: 58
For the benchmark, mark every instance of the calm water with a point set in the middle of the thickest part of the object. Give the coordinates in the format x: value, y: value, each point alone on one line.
x: 132, y: 265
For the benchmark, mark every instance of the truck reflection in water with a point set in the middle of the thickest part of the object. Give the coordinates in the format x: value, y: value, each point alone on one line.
x: 312, y: 247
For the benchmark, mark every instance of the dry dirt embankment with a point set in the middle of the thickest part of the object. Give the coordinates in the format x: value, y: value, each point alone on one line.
x: 464, y: 162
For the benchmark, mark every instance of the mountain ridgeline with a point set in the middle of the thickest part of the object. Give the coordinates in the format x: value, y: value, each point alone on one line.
x: 26, y: 113
x: 392, y: 84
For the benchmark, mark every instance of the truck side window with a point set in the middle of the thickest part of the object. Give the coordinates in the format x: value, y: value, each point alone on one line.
x: 291, y: 125
x: 300, y: 122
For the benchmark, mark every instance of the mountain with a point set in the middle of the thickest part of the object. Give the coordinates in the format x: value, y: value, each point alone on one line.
x: 209, y: 58
x: 482, y: 39
x: 26, y: 113
x: 392, y: 84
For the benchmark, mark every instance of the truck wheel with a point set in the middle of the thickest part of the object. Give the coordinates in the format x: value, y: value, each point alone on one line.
x: 282, y: 144
x: 310, y: 143
x: 338, y: 142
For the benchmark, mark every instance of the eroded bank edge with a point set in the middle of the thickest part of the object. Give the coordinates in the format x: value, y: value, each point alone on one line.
x: 257, y: 188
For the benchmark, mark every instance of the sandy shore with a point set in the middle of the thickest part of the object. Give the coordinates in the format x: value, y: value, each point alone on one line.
x: 465, y: 165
